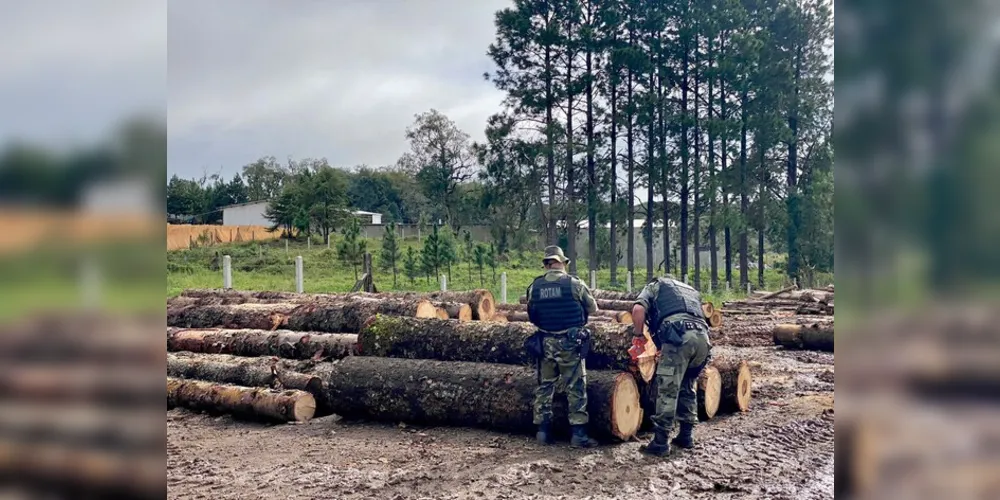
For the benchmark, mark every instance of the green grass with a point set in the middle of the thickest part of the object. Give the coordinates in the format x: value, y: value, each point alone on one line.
x: 267, y: 266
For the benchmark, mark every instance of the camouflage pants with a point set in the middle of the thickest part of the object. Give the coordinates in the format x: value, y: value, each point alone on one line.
x: 676, y: 378
x: 561, y: 359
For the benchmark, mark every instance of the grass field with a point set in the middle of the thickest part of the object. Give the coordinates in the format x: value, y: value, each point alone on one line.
x: 267, y: 266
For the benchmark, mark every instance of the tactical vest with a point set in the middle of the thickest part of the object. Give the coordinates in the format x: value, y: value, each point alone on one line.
x: 676, y: 297
x: 552, y: 307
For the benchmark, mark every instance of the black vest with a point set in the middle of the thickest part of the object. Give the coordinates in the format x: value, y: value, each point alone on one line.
x: 675, y: 297
x: 552, y: 307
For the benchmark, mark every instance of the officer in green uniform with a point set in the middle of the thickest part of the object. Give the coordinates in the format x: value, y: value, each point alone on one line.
x: 559, y: 305
x: 672, y: 310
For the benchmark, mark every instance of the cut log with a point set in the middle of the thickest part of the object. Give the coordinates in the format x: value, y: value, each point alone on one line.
x: 482, y: 342
x: 498, y: 318
x: 715, y: 320
x: 320, y: 316
x: 112, y: 387
x: 481, y: 301
x: 441, y: 313
x: 83, y: 472
x: 255, y: 403
x: 709, y: 392
x: 779, y: 292
x: 736, y: 384
x: 455, y: 310
x: 263, y: 371
x: 481, y: 395
x: 817, y: 336
x: 250, y: 342
x: 708, y: 309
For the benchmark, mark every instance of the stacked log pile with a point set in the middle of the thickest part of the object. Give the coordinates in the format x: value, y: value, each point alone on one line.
x: 753, y: 322
x: 82, y: 414
x: 283, y: 357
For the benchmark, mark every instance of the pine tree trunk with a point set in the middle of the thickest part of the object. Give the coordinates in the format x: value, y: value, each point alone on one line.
x: 761, y: 221
x: 242, y: 402
x: 282, y: 343
x: 650, y: 233
x: 685, y: 164
x: 550, y: 153
x: 696, y: 225
x: 591, y: 167
x: 614, y: 174
x: 713, y: 192
x: 630, y: 145
x: 482, y: 395
x: 744, y: 192
x: 482, y: 342
x: 665, y: 175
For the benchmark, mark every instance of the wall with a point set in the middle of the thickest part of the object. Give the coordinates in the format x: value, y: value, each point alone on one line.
x: 246, y: 215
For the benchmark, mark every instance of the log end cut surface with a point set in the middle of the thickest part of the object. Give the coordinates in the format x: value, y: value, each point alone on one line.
x: 709, y: 392
x: 743, y: 392
x: 439, y: 313
x: 626, y: 410
x: 427, y: 310
x: 715, y: 320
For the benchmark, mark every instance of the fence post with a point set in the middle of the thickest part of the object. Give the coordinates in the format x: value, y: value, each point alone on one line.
x: 328, y: 241
x: 227, y: 272
x: 503, y: 287
x: 90, y: 283
x: 309, y: 242
x: 444, y: 282
x: 628, y: 282
x: 748, y: 289
x: 286, y: 246
x: 299, y: 279
x: 593, y: 279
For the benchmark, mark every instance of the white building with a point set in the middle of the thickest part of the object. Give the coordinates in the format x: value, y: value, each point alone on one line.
x: 252, y: 214
x: 246, y: 214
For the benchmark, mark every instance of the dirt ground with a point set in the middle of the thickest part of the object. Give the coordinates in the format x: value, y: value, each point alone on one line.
x: 782, y: 448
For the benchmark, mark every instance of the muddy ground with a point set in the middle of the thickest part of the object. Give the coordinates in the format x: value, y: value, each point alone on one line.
x: 782, y: 448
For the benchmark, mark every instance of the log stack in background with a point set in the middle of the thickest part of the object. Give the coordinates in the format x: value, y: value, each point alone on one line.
x: 80, y: 412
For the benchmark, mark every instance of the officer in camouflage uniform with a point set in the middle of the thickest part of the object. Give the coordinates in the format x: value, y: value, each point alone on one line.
x: 672, y: 310
x: 559, y: 305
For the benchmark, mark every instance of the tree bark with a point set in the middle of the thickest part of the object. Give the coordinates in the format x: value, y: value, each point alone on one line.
x: 481, y: 301
x: 247, y: 342
x: 614, y: 170
x: 484, y: 342
x: 816, y: 337
x: 455, y: 310
x: 254, y: 403
x: 264, y: 371
x: 470, y: 394
x: 319, y: 316
x: 736, y: 384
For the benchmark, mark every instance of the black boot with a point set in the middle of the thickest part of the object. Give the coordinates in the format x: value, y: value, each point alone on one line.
x: 544, y: 435
x: 581, y: 439
x: 685, y: 438
x: 658, y: 447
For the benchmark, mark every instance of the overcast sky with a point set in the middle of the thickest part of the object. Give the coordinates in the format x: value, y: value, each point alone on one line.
x: 337, y: 79
x: 71, y: 70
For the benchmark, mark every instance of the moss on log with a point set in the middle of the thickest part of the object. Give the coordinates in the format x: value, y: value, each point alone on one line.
x: 482, y: 342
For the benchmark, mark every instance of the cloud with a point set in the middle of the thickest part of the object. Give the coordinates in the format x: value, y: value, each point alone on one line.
x: 70, y: 70
x: 340, y: 80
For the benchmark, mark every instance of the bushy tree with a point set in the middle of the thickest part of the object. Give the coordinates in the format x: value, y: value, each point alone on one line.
x: 390, y: 250
x: 352, y: 249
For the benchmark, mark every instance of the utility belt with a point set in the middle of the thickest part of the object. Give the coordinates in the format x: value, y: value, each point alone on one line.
x: 673, y: 329
x: 574, y: 338
x: 578, y: 338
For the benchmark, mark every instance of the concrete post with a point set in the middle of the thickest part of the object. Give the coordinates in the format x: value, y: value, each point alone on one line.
x: 299, y: 278
x: 503, y: 288
x: 227, y: 272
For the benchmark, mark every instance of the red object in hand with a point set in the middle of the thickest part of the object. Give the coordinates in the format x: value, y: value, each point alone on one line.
x: 638, y: 347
